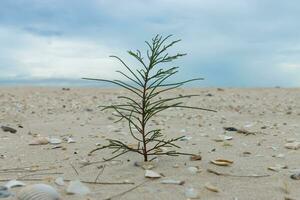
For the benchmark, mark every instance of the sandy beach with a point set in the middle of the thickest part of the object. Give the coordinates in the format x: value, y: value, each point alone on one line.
x: 261, y: 168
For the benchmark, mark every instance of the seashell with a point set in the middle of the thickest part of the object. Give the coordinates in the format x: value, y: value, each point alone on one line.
x: 281, y: 155
x: 222, y: 162
x: 145, y: 165
x: 222, y: 138
x: 4, y: 192
x: 171, y: 181
x: 38, y: 192
x: 191, y: 193
x: 186, y: 138
x: 194, y: 170
x: 195, y: 157
x: 14, y: 183
x: 211, y: 187
x: 71, y: 140
x: 54, y: 140
x: 40, y: 141
x: 152, y: 174
x: 76, y: 187
x: 59, y: 181
x: 292, y: 145
x: 277, y: 167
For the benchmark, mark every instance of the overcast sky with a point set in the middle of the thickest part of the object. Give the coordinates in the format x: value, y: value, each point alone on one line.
x: 252, y: 43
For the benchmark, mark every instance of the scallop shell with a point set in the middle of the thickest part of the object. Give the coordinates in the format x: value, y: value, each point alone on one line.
x: 38, y: 192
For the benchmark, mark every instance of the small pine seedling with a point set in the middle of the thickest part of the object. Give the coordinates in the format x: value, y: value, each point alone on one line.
x: 146, y: 86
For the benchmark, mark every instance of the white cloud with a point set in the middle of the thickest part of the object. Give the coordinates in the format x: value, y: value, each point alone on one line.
x: 58, y: 57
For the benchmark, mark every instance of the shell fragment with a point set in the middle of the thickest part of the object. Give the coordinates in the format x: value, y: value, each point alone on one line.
x: 152, y: 174
x: 222, y: 162
x: 76, y: 187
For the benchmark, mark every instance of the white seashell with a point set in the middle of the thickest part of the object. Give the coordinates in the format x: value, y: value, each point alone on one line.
x: 171, y: 181
x: 191, y: 193
x: 222, y: 138
x: 38, y: 192
x: 59, y: 181
x: 4, y: 192
x: 55, y: 140
x: 186, y: 138
x: 14, y: 183
x: 76, y: 187
x: 71, y: 140
x: 280, y: 155
x: 194, y: 170
x: 152, y: 174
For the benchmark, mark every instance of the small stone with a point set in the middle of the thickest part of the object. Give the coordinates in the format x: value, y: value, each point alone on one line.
x: 230, y: 129
x: 8, y: 129
x: 295, y: 176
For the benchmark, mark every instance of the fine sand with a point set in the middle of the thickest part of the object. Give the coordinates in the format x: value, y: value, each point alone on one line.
x: 273, y: 115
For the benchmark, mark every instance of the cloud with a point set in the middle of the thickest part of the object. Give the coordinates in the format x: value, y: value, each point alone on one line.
x: 43, y: 57
x: 230, y: 43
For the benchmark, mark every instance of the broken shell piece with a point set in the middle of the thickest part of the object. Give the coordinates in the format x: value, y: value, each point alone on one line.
x: 71, y: 140
x: 222, y: 162
x: 39, y: 141
x: 4, y: 192
x: 289, y: 140
x: 222, y: 138
x: 211, y: 187
x: 14, y: 183
x: 191, y: 193
x: 54, y: 140
x: 186, y: 138
x: 277, y: 167
x: 152, y: 174
x: 38, y: 192
x: 59, y: 181
x: 292, y: 145
x: 175, y: 166
x: 76, y: 187
x: 279, y: 155
x: 195, y: 157
x: 194, y: 170
x: 171, y: 181
x: 145, y: 165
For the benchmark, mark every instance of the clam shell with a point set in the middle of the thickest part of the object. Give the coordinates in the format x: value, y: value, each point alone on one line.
x: 38, y: 192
